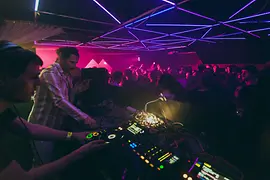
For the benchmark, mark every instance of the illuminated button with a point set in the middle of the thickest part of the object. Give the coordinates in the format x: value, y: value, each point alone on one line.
x: 146, y: 161
x: 89, y: 136
x: 142, y: 157
x: 189, y: 178
x: 151, y: 165
x: 161, y: 167
x: 120, y: 128
x: 129, y: 141
x: 207, y: 165
x: 185, y: 176
x: 158, y: 169
x: 111, y: 136
x: 95, y: 133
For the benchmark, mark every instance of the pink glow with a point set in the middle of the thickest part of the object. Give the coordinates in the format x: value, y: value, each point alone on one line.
x: 92, y: 64
x: 116, y: 59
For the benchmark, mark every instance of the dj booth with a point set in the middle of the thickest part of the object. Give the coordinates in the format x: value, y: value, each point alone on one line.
x: 148, y: 147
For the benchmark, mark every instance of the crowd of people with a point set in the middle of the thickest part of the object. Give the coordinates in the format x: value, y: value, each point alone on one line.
x: 228, y: 108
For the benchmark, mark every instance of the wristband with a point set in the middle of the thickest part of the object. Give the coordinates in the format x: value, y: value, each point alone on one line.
x: 69, y: 135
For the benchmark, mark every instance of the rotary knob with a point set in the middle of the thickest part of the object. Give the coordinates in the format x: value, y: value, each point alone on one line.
x: 111, y: 136
x: 95, y: 134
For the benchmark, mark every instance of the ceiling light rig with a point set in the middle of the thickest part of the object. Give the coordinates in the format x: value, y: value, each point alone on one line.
x: 171, y: 37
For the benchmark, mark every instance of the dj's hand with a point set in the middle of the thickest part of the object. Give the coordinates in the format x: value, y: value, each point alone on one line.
x: 92, y: 146
x: 80, y: 136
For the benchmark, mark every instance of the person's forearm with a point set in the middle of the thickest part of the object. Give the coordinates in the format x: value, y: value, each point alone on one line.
x: 44, y: 133
x: 70, y: 109
x: 49, y: 170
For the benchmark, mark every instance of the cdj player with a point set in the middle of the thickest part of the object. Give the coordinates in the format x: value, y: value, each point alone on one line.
x: 138, y: 143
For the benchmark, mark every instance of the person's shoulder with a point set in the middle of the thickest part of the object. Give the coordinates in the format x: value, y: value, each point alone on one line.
x: 50, y: 70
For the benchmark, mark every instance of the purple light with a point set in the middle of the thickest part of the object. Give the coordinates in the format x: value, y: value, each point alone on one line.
x: 165, y: 40
x: 218, y: 38
x: 203, y: 40
x: 179, y: 25
x: 107, y: 11
x: 196, y: 29
x: 166, y: 44
x: 124, y: 44
x: 253, y: 22
x: 168, y: 48
x: 111, y: 32
x: 226, y: 35
x: 145, y: 30
x: 193, y: 165
x: 233, y: 27
x: 169, y: 2
x: 248, y: 17
x: 201, y: 37
x: 108, y: 42
x: 152, y: 15
x: 191, y: 43
x: 258, y: 30
x: 116, y: 38
x: 137, y: 39
x: 160, y: 37
x: 196, y: 14
x: 242, y: 9
x: 206, y: 33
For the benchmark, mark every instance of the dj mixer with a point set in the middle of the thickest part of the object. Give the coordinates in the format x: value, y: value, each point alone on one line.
x: 148, y: 144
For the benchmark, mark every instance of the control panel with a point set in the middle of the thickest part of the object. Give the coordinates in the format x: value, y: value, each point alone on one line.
x: 203, y: 170
x: 154, y: 156
x: 106, y: 135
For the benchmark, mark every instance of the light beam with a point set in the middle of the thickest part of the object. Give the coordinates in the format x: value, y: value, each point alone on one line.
x: 242, y: 9
x: 107, y: 11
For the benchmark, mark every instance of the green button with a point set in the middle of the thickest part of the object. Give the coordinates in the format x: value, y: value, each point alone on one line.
x: 89, y: 136
x: 161, y: 166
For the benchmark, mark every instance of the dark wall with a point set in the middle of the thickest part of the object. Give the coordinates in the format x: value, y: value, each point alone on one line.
x: 234, y: 52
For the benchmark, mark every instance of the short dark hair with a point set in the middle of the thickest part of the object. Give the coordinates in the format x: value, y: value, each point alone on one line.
x: 66, y: 52
x: 14, y: 59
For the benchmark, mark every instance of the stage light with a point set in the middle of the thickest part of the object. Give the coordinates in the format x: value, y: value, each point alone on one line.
x: 196, y: 14
x: 150, y: 16
x: 258, y: 30
x: 233, y: 27
x: 139, y: 58
x: 36, y: 5
x: 196, y: 29
x: 110, y: 32
x: 242, y: 9
x: 169, y: 2
x: 248, y: 17
x: 107, y: 12
x: 226, y: 35
x: 253, y: 22
x: 217, y: 38
x: 146, y: 30
x: 178, y: 25
x: 137, y: 39
x: 201, y: 37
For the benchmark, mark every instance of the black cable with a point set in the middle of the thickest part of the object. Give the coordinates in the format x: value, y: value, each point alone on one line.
x: 32, y: 143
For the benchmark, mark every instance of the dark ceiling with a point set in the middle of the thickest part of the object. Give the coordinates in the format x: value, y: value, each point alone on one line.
x: 79, y: 25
